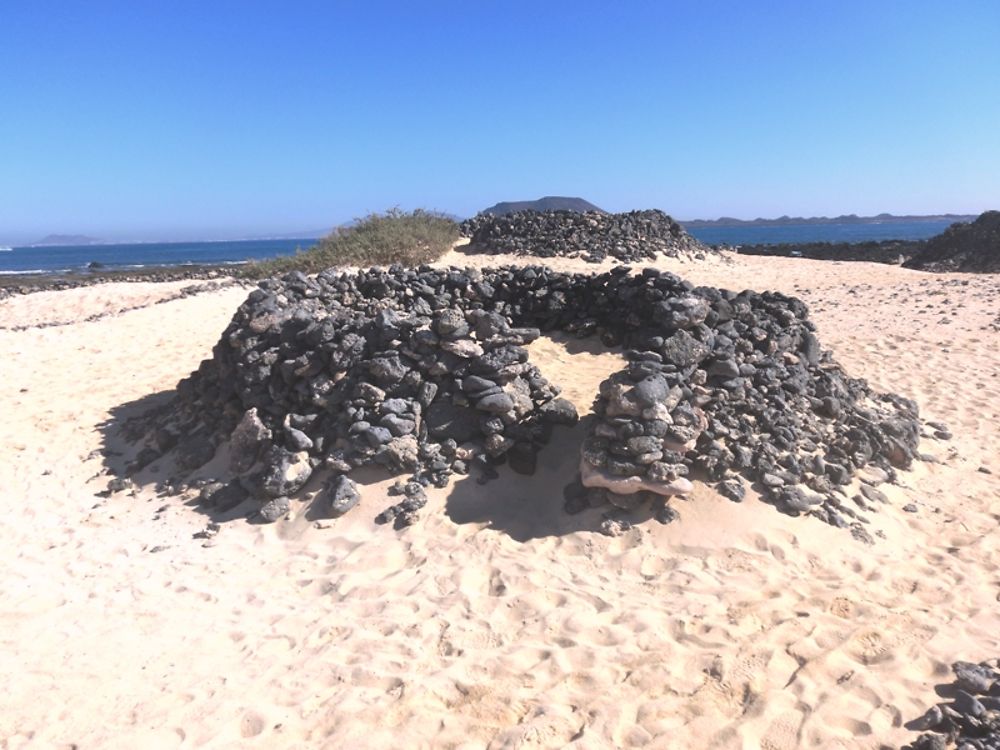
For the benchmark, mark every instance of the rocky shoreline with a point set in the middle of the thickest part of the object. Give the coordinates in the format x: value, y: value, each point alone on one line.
x: 972, y: 247
x: 892, y: 252
x: 28, y: 283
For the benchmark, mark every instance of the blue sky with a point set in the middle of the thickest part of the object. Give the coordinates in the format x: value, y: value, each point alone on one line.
x: 205, y: 119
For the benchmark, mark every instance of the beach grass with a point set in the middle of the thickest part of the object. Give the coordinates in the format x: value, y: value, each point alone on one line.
x: 395, y: 236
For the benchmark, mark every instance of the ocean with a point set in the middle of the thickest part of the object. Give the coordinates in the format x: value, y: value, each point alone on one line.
x: 77, y: 258
x: 792, y: 233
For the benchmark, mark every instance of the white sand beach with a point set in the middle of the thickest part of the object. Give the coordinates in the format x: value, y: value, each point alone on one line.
x: 497, y: 621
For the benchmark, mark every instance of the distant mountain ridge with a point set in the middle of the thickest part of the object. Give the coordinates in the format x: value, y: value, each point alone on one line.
x: 548, y: 203
x: 312, y: 234
x: 728, y: 221
x: 66, y: 239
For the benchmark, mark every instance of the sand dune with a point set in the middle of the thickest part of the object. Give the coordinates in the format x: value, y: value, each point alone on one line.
x: 497, y: 621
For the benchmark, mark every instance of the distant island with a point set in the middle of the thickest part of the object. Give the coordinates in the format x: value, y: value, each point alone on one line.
x: 66, y: 239
x: 548, y: 203
x: 311, y: 234
x: 727, y: 221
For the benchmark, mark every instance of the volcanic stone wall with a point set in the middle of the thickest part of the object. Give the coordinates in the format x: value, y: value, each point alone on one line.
x: 425, y: 372
x: 591, y: 235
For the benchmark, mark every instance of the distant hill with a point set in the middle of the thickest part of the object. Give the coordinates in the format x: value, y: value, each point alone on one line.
x: 66, y: 239
x: 968, y: 247
x: 548, y: 203
x: 727, y: 221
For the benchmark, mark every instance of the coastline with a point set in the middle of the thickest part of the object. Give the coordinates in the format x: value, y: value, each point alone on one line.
x: 12, y: 284
x: 892, y: 252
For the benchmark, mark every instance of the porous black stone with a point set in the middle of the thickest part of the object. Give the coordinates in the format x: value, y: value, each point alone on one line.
x: 425, y: 370
x: 273, y: 510
x: 591, y: 235
x: 972, y: 719
x: 342, y: 494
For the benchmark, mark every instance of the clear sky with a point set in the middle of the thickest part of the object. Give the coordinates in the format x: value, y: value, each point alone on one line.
x: 155, y: 120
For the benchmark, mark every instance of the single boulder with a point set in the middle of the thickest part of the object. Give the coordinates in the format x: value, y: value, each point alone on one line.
x: 285, y: 472
x: 273, y: 509
x: 460, y: 423
x: 247, y: 441
x: 341, y: 495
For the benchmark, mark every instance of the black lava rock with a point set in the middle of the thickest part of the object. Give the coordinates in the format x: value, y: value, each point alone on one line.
x: 972, y: 719
x: 591, y: 235
x: 342, y: 495
x: 425, y: 371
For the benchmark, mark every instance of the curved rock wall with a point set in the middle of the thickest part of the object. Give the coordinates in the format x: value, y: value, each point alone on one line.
x: 426, y: 372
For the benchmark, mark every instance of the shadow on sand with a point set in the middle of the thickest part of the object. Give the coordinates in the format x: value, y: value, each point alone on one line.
x: 523, y: 507
x: 123, y: 432
x: 131, y: 430
x: 530, y: 507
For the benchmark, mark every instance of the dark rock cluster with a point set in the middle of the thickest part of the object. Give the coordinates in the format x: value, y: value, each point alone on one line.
x: 425, y: 372
x: 15, y: 284
x: 971, y: 720
x: 891, y: 252
x: 970, y: 247
x: 593, y: 235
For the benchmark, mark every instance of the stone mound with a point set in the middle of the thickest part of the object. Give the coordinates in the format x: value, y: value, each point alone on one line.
x: 593, y: 235
x: 969, y: 247
x: 971, y: 720
x: 425, y: 372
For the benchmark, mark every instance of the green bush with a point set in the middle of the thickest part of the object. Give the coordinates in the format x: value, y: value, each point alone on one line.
x: 407, y: 238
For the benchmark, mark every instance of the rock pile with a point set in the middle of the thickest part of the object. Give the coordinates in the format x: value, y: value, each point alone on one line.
x: 593, y: 235
x: 971, y: 247
x: 426, y: 372
x: 971, y: 721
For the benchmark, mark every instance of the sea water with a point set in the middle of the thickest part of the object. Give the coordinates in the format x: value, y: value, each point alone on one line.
x: 78, y: 258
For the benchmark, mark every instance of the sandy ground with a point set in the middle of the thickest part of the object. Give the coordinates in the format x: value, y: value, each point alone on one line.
x: 497, y: 621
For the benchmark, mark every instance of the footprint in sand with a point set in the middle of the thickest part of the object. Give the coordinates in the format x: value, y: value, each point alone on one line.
x: 252, y: 724
x: 783, y: 733
x: 497, y: 585
x: 842, y: 607
x: 856, y: 727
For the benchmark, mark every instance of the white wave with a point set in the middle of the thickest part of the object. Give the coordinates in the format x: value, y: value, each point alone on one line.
x: 6, y: 249
x: 34, y: 271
